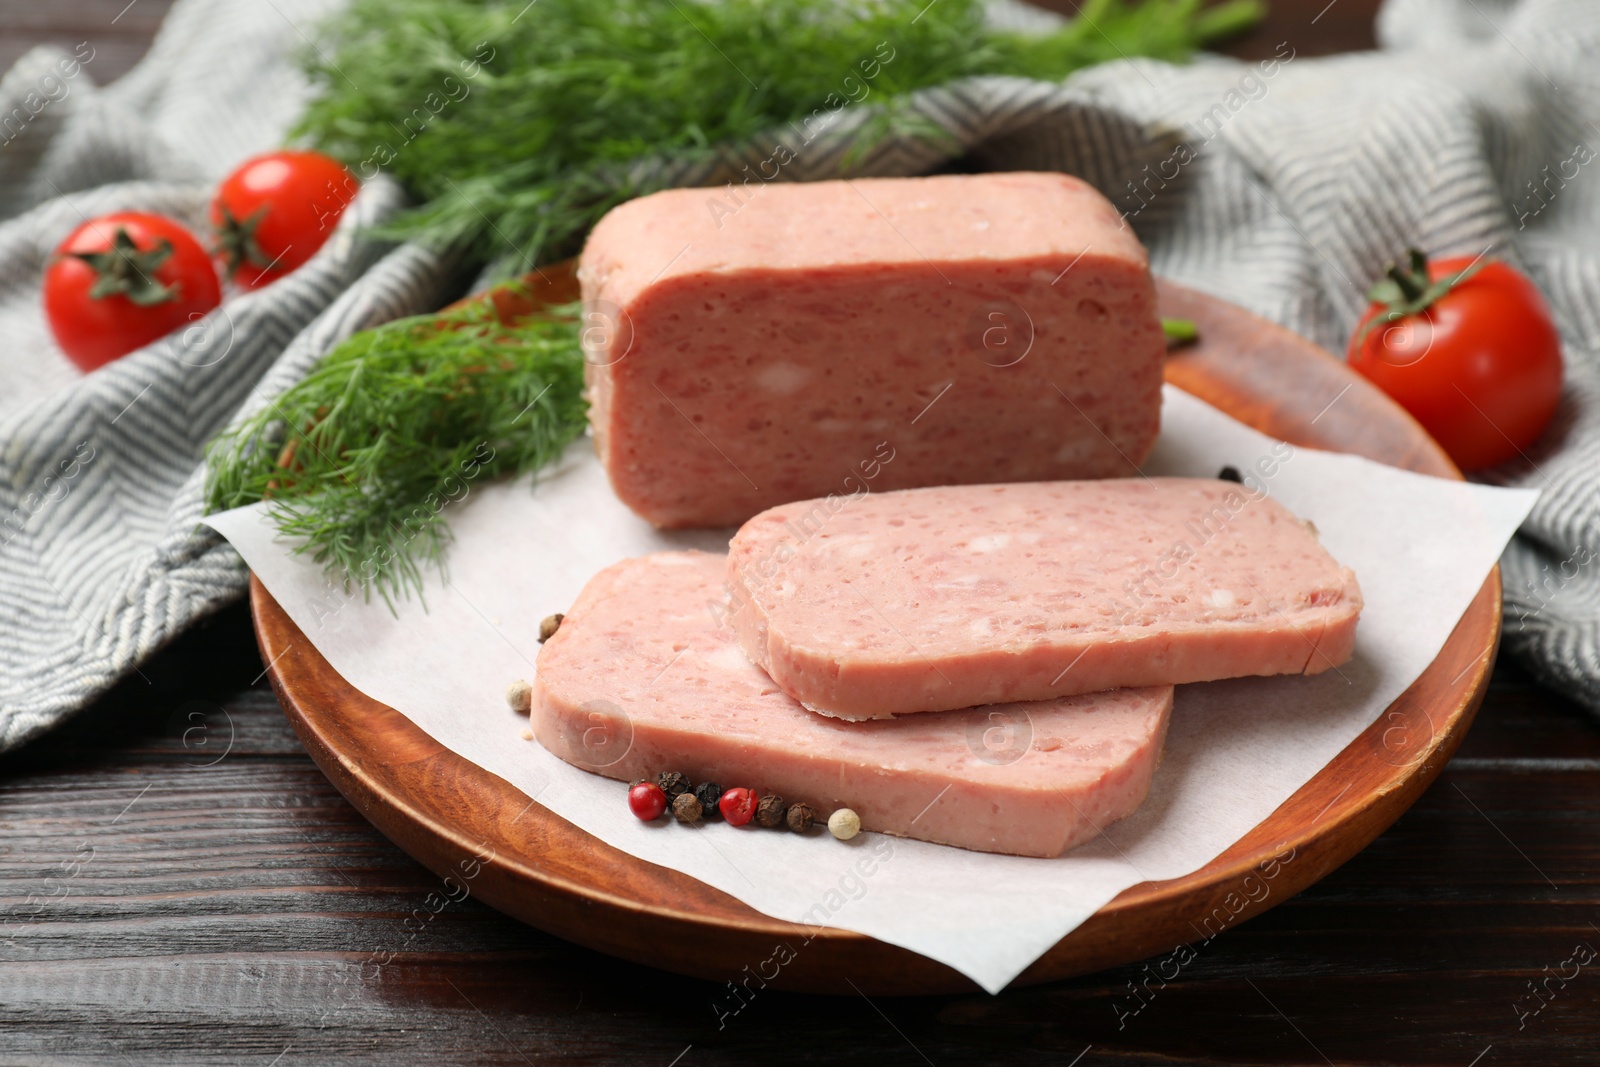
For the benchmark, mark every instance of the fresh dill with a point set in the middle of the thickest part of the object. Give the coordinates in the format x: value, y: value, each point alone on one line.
x: 360, y: 460
x: 516, y: 125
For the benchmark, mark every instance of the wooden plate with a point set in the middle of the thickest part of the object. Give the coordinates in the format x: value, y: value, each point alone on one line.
x: 455, y: 817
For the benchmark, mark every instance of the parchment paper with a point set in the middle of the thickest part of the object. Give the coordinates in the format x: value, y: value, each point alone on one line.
x: 1420, y: 547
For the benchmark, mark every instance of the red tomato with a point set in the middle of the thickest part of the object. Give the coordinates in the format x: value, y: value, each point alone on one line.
x: 275, y: 211
x: 120, y: 281
x: 1478, y: 363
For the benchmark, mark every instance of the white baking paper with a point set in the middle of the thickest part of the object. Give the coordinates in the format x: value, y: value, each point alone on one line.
x: 1420, y: 547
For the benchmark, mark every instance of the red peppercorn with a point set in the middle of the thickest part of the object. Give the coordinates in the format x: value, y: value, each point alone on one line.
x: 738, y: 805
x: 647, y: 800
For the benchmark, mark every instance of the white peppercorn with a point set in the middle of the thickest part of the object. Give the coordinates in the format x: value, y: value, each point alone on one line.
x: 519, y: 694
x: 844, y: 824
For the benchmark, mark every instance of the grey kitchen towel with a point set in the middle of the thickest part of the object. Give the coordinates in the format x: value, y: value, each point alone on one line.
x: 1282, y: 185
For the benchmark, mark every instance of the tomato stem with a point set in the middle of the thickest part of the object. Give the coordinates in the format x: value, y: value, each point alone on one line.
x: 1408, y: 287
x: 236, y: 240
x: 1404, y: 292
x: 126, y: 270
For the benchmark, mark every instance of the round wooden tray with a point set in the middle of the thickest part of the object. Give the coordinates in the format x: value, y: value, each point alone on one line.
x: 455, y: 817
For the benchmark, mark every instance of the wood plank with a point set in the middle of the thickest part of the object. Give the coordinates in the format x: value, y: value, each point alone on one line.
x: 1312, y: 27
x: 240, y: 910
x: 120, y: 32
x: 1414, y: 952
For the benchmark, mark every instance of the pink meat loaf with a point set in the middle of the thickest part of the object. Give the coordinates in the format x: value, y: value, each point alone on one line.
x: 897, y: 331
x: 641, y: 679
x: 931, y: 599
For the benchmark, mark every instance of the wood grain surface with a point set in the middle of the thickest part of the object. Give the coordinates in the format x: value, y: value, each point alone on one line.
x: 237, y: 910
x: 117, y: 30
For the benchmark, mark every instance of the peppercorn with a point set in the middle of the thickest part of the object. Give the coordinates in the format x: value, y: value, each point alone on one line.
x: 844, y: 824
x: 710, y: 795
x: 519, y: 694
x: 738, y: 805
x: 1230, y: 474
x: 674, y: 784
x: 769, y: 811
x: 799, y: 817
x: 646, y: 800
x: 549, y: 625
x: 686, y: 809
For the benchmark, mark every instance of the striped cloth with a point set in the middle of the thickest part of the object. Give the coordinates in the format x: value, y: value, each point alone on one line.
x: 1282, y: 185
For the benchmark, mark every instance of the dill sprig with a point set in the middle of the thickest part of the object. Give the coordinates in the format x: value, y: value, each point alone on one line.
x: 361, y: 460
x: 570, y: 102
x: 515, y: 126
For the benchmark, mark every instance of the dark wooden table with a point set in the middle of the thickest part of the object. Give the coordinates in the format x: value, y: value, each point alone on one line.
x: 179, y: 884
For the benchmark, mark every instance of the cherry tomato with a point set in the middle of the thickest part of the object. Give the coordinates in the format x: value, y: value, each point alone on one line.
x: 1476, y: 360
x: 275, y: 211
x: 120, y: 281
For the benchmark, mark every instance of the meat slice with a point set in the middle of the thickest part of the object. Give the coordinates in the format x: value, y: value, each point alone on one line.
x: 930, y: 599
x: 641, y: 679
x: 799, y: 339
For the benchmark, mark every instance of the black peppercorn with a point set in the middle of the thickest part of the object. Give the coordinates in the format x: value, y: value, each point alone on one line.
x: 769, y: 810
x: 686, y: 809
x: 708, y: 793
x: 673, y: 784
x: 800, y: 817
x: 548, y: 626
x: 1230, y: 474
